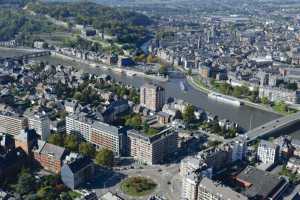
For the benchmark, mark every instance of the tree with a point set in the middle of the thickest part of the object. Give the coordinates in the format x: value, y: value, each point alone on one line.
x: 105, y: 157
x: 47, y: 193
x: 280, y: 106
x: 86, y: 149
x: 26, y: 183
x: 163, y: 70
x: 56, y: 139
x: 264, y: 100
x: 65, y: 196
x: 188, y: 113
x: 134, y: 121
x: 71, y: 143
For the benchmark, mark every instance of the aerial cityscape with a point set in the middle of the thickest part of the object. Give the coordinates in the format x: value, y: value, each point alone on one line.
x: 149, y: 99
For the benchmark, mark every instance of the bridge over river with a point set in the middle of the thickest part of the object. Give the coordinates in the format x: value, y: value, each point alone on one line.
x: 283, y: 125
x: 27, y: 56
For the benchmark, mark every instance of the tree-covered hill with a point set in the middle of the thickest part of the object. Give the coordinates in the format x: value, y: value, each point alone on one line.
x: 16, y: 22
x: 129, y: 27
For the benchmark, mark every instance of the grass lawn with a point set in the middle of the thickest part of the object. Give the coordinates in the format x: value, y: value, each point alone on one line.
x: 138, y: 186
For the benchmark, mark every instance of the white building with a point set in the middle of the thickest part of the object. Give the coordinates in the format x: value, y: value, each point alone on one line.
x: 210, y: 190
x: 79, y: 125
x: 40, y: 122
x: 267, y: 152
x: 190, y: 186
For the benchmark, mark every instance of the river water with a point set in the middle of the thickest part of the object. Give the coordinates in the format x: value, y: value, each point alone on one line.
x: 241, y: 115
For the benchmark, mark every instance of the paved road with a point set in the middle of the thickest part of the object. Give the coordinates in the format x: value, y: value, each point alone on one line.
x: 272, y: 126
x: 166, y: 177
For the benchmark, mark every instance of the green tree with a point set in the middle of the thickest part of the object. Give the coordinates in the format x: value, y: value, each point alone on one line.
x: 188, y: 113
x: 71, y: 142
x: 86, y: 149
x: 47, y: 193
x: 280, y: 106
x: 163, y: 70
x: 134, y: 121
x: 26, y: 183
x: 56, y: 139
x: 264, y: 100
x: 105, y: 157
x: 65, y: 196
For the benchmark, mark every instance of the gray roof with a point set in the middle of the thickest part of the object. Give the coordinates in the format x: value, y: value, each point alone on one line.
x: 50, y: 149
x: 107, y: 128
x: 262, y: 183
x: 220, y: 190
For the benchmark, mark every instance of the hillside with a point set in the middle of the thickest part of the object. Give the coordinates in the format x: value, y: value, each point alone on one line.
x: 129, y: 27
x: 15, y: 23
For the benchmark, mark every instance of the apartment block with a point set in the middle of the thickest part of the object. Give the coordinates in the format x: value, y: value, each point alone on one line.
x: 79, y: 125
x: 277, y: 94
x: 49, y: 156
x: 152, y: 96
x: 110, y: 137
x: 267, y: 152
x: 210, y: 190
x: 152, y: 149
x: 190, y: 187
x: 100, y: 134
x: 40, y: 122
x: 12, y: 123
x: 195, y: 187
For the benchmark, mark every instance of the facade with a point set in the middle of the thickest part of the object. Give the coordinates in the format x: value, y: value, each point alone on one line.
x: 195, y: 187
x: 209, y: 190
x: 267, y: 152
x: 40, y: 123
x: 100, y: 134
x: 276, y: 94
x: 190, y: 187
x: 152, y: 149
x: 152, y: 96
x: 239, y: 150
x: 79, y: 125
x: 76, y: 171
x: 110, y: 137
x: 11, y: 123
x: 49, y: 156
x: 189, y: 165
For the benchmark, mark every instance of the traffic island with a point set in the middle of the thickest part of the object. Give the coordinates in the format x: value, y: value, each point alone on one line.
x: 138, y: 186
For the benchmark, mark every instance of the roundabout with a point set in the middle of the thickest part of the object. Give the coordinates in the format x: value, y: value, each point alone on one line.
x: 137, y: 186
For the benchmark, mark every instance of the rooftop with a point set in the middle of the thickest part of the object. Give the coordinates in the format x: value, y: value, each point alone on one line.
x: 259, y: 183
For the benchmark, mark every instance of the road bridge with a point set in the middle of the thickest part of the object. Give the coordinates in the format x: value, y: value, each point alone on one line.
x: 27, y: 56
x: 274, y: 128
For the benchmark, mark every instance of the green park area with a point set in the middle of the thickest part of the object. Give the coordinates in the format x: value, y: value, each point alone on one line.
x: 138, y: 186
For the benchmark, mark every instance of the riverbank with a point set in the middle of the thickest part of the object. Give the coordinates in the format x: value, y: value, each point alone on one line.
x: 199, y: 86
x: 241, y: 115
x: 114, y: 68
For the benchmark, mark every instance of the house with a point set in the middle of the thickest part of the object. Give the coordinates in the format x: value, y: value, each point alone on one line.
x: 76, y: 171
x: 49, y: 156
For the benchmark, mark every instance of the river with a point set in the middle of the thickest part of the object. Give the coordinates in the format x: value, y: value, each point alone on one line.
x: 241, y: 115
